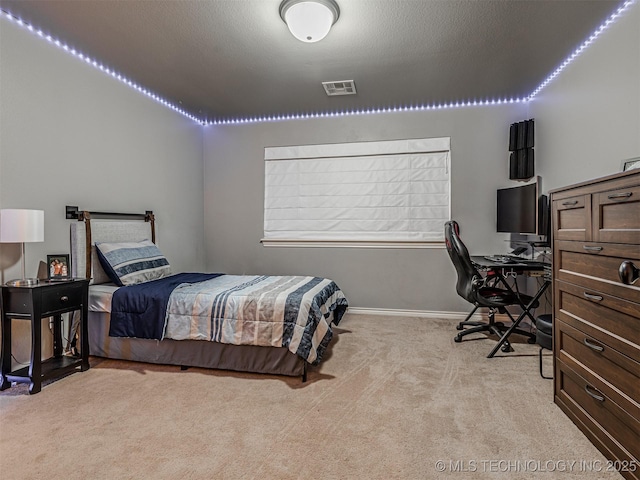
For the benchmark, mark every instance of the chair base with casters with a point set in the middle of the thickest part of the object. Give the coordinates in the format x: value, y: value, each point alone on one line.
x: 544, y: 337
x: 497, y: 328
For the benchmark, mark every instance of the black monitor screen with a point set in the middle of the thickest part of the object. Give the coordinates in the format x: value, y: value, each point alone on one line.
x: 518, y: 209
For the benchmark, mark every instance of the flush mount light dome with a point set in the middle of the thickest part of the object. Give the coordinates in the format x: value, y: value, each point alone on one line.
x: 309, y: 20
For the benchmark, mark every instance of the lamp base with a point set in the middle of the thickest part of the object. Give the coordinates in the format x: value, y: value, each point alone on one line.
x: 23, y: 282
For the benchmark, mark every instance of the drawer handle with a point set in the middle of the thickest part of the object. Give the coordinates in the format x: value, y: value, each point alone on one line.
x: 593, y: 346
x: 64, y: 299
x: 598, y: 396
x: 628, y: 272
x: 595, y: 298
x: 592, y: 248
x: 613, y: 196
x: 570, y: 204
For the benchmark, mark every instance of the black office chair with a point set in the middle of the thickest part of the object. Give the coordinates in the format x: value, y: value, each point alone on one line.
x: 481, y: 291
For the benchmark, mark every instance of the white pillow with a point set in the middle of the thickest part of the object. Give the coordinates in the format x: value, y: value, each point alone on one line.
x: 129, y: 263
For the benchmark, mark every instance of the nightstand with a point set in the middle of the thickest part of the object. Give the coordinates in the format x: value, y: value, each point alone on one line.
x: 33, y: 303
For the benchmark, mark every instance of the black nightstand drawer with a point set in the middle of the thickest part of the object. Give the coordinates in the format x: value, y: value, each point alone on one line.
x: 18, y: 302
x: 61, y: 297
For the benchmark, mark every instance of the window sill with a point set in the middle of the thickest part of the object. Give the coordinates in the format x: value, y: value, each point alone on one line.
x: 351, y: 244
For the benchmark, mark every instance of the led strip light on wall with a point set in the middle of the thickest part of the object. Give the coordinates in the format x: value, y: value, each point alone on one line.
x: 372, y: 111
x: 584, y: 45
x: 96, y: 64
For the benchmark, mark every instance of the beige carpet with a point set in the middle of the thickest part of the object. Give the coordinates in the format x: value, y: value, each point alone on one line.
x: 394, y: 397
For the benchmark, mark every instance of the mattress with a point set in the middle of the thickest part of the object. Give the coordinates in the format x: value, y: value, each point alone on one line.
x: 100, y: 297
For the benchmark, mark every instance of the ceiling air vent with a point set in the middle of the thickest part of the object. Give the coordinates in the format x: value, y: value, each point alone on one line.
x: 343, y: 87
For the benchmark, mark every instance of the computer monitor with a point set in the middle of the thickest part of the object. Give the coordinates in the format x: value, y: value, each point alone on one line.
x: 522, y: 210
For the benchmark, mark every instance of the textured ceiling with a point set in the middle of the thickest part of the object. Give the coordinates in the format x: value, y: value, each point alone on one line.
x: 226, y: 59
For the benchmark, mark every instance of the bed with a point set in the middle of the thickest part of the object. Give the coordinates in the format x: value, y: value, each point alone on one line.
x: 242, y: 323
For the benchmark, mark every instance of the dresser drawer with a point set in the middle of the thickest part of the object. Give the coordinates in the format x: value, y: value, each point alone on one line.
x: 616, y: 215
x: 585, y: 265
x: 572, y: 218
x: 581, y: 389
x: 613, y: 321
x: 61, y: 298
x: 595, y: 354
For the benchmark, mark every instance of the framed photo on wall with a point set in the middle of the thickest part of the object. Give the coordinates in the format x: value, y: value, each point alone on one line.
x: 630, y: 164
x: 58, y: 267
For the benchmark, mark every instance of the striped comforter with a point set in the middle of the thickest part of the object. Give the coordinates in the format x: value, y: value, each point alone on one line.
x: 292, y: 312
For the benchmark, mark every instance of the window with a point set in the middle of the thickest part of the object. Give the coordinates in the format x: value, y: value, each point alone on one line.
x: 390, y: 193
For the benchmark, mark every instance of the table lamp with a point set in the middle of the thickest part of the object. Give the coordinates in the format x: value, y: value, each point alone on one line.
x: 21, y: 226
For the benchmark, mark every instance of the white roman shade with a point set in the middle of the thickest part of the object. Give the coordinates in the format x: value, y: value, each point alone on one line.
x: 390, y: 191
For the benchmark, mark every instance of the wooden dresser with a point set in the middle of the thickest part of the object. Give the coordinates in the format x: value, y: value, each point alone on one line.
x: 596, y: 254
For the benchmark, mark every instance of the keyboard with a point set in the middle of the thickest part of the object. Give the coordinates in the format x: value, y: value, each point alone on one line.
x: 500, y: 259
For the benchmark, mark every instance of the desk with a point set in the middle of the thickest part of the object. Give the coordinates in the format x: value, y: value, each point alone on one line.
x: 518, y: 268
x: 32, y: 303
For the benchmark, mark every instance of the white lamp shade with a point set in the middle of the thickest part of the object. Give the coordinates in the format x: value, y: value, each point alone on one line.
x: 20, y: 226
x: 309, y: 21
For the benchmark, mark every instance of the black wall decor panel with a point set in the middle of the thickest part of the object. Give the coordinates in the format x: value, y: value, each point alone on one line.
x: 521, y: 142
x: 521, y: 164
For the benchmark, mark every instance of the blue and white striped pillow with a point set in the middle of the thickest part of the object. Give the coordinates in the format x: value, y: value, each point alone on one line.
x: 129, y: 263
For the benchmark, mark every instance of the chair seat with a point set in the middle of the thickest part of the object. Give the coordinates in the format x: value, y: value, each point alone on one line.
x: 501, y: 297
x: 544, y: 323
x: 544, y: 331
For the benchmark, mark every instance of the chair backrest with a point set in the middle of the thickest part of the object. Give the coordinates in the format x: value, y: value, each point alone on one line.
x: 459, y: 255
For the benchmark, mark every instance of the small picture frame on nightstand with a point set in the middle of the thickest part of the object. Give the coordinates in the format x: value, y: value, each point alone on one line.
x: 58, y: 267
x: 630, y: 164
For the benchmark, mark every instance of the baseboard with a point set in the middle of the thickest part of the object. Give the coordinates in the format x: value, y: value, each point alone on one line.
x: 391, y: 312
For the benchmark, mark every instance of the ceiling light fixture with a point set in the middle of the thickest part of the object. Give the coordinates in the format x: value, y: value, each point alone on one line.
x: 309, y: 20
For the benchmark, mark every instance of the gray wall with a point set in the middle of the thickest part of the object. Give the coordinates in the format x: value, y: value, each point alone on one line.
x: 588, y: 118
x: 69, y: 135
x: 415, y: 279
